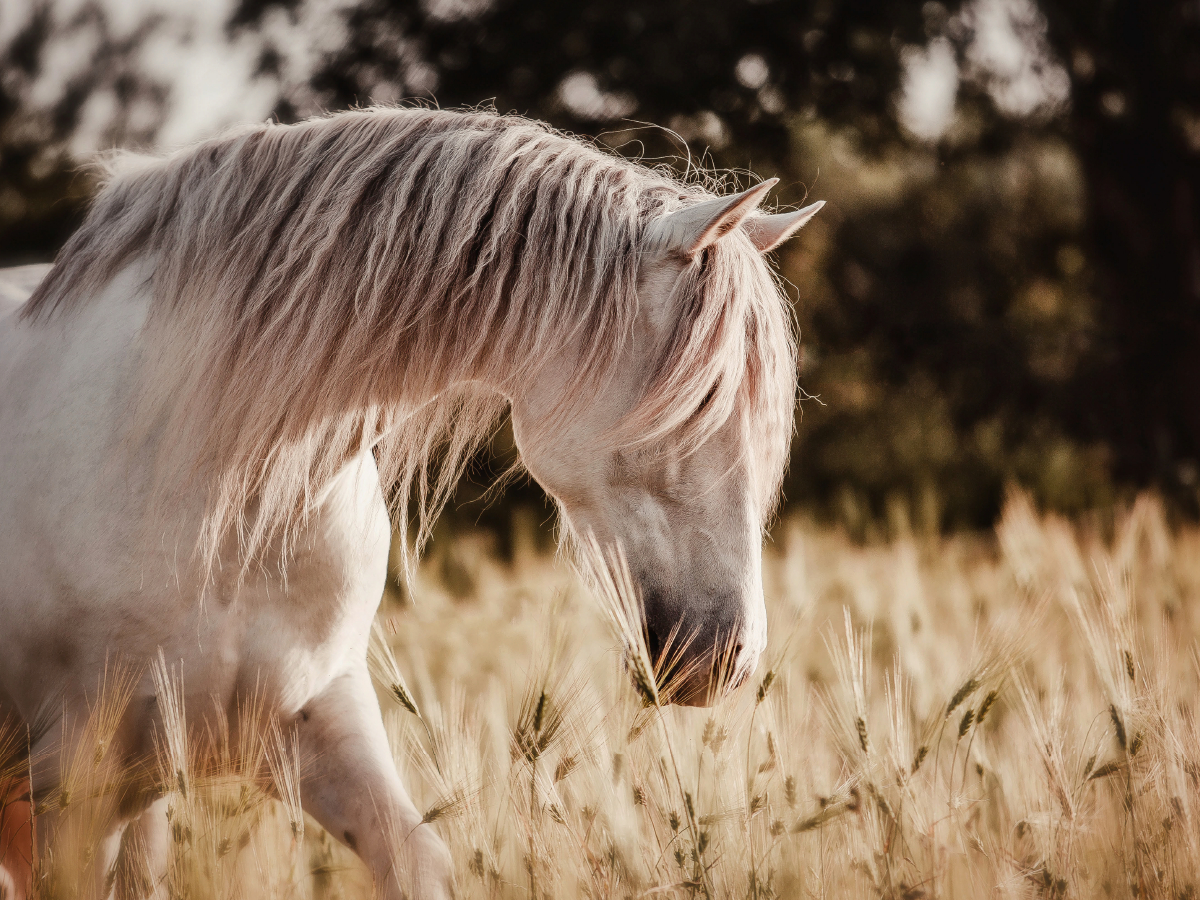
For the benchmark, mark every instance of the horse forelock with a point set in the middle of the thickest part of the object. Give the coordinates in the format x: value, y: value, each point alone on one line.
x: 317, y: 287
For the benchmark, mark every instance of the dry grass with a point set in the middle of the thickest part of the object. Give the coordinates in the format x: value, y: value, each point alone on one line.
x: 961, y: 717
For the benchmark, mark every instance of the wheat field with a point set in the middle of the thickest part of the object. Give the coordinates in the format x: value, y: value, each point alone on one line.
x: 1007, y: 715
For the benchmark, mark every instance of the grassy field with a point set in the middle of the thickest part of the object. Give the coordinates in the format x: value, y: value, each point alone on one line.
x: 973, y: 716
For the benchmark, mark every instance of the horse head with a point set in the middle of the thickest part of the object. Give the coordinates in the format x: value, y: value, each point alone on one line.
x: 676, y: 452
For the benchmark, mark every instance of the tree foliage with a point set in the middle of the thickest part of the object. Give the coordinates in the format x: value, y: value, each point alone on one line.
x: 1016, y: 299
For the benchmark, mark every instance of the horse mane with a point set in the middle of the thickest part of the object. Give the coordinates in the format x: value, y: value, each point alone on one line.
x: 316, y: 286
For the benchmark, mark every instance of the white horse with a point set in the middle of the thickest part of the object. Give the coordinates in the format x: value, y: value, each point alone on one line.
x: 248, y: 339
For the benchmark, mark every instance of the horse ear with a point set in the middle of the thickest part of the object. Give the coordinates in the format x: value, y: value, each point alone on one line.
x: 690, y: 230
x: 768, y: 232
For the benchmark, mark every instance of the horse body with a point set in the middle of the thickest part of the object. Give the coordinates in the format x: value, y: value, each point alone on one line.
x: 86, y: 588
x: 668, y: 319
x: 88, y: 584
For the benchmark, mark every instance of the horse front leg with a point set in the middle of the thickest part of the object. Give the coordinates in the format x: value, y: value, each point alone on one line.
x: 349, y: 784
x: 145, y: 856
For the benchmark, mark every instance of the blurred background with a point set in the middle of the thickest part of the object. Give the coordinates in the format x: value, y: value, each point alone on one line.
x: 1004, y: 288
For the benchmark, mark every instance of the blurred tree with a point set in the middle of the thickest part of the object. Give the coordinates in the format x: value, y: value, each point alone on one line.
x: 57, y: 78
x: 942, y: 334
x: 1135, y: 124
x: 1004, y: 287
x: 718, y: 68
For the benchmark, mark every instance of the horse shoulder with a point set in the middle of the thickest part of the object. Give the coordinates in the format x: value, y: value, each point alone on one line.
x: 303, y: 618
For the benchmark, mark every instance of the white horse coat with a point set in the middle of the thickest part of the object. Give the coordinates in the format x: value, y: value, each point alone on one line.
x: 99, y: 551
x: 76, y: 598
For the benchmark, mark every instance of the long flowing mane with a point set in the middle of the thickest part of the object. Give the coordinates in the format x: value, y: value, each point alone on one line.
x: 317, y: 287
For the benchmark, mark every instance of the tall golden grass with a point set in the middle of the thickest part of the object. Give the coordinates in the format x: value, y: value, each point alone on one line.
x: 972, y: 716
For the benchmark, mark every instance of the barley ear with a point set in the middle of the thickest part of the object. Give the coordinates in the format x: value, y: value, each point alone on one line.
x: 1118, y: 725
x: 860, y: 726
x: 965, y: 725
x: 922, y: 752
x: 985, y: 707
x: 961, y: 694
x: 382, y: 663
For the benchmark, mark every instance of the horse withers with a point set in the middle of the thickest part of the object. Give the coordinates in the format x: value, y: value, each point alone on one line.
x: 251, y: 342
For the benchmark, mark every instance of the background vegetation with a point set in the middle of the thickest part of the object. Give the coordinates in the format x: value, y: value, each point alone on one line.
x: 942, y: 717
x: 1004, y: 287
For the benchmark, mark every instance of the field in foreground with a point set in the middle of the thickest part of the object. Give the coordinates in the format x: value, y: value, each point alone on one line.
x: 962, y: 717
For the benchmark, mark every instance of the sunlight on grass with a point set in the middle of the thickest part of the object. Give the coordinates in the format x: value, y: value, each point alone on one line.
x: 962, y: 717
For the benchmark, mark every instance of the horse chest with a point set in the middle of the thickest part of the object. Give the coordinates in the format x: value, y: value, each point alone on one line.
x: 300, y: 632
x: 86, y: 582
